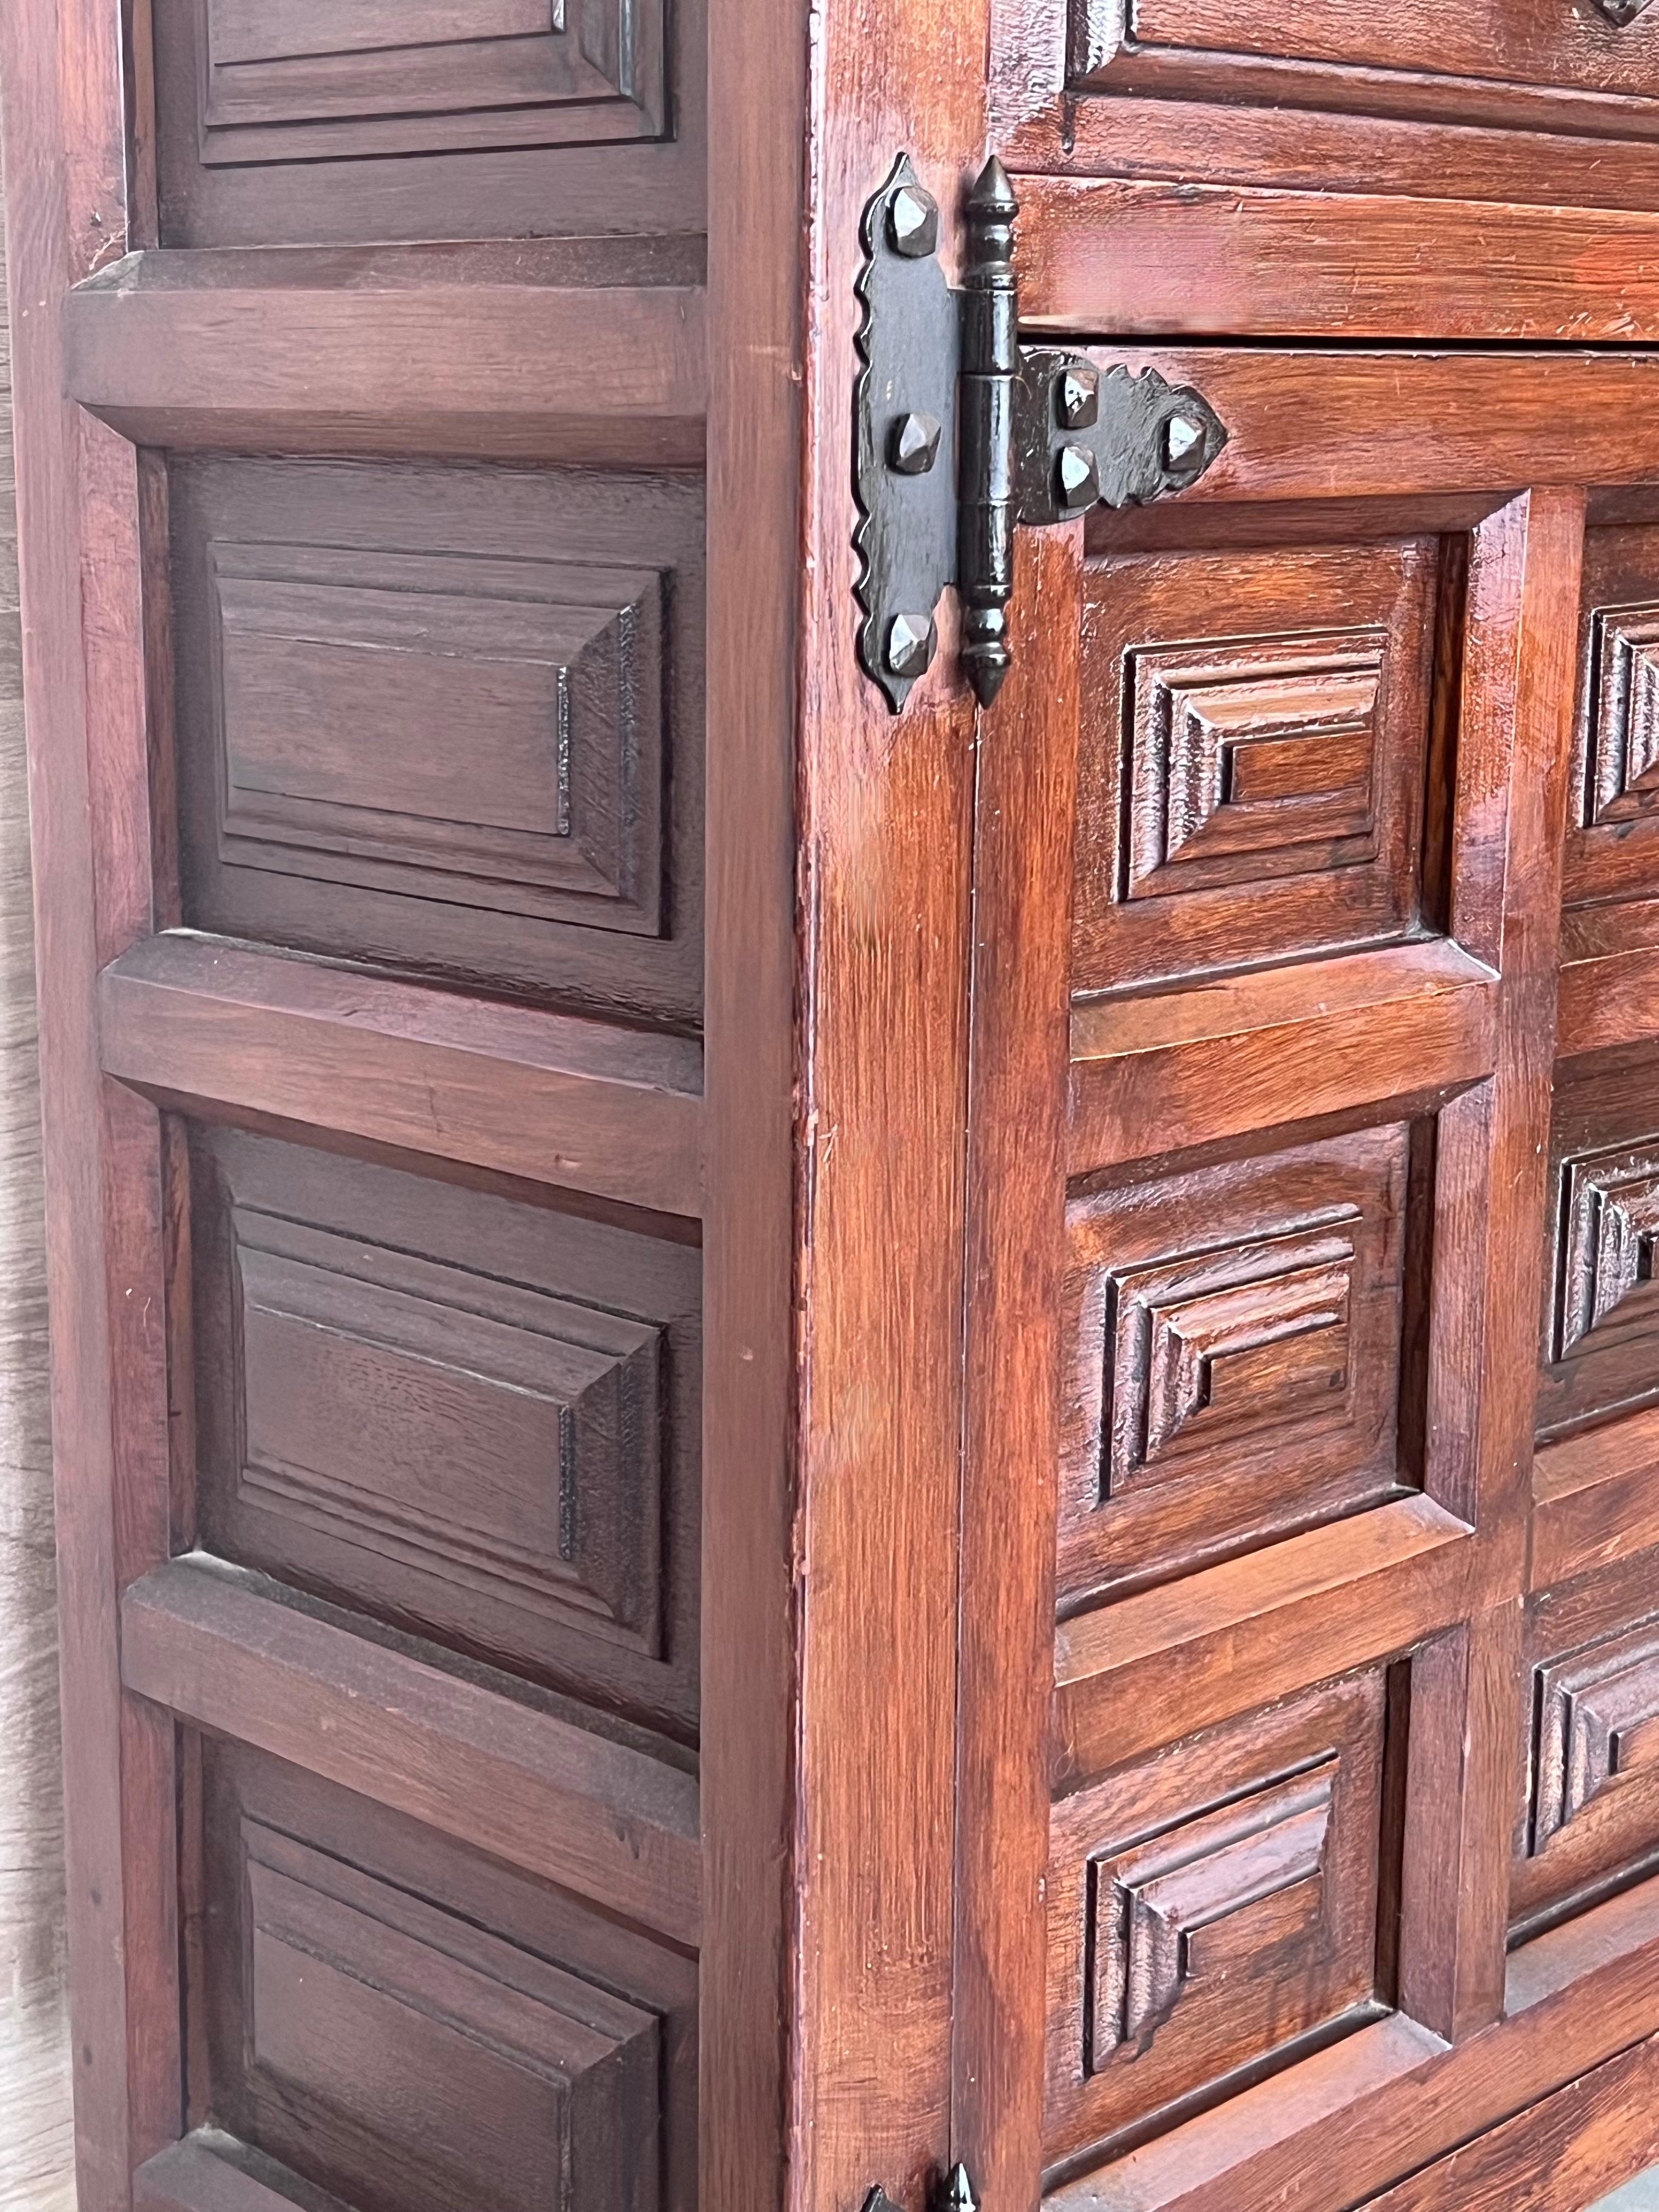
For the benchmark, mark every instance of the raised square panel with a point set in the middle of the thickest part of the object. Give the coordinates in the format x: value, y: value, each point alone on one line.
x: 314, y: 79
x: 1612, y: 826
x: 1592, y: 1808
x: 412, y: 2029
x: 1211, y: 1908
x: 473, y: 1419
x: 446, y: 720
x: 1601, y: 1319
x: 1253, y: 758
x: 1233, y: 1355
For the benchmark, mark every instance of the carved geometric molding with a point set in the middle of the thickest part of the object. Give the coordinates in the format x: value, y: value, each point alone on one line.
x: 434, y: 2064
x: 1245, y: 756
x: 487, y: 1436
x: 1623, y: 11
x: 312, y: 79
x: 1215, y: 1895
x: 477, y: 731
x: 1204, y: 1347
x: 1623, y: 780
x: 1598, y: 1725
x: 1609, y: 1222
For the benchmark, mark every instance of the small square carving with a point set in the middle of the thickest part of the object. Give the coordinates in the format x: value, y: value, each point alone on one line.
x: 1253, y: 757
x: 1623, y: 767
x: 1210, y: 1906
x: 1233, y: 1356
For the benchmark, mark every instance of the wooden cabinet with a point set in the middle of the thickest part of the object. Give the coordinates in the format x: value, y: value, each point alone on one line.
x: 800, y: 1450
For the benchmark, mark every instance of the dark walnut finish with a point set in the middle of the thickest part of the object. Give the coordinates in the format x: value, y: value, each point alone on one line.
x: 794, y: 1445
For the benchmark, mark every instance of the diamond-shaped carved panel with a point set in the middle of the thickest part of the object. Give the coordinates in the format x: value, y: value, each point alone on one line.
x: 1233, y: 1355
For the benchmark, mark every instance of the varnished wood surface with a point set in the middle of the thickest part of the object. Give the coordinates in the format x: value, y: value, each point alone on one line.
x: 218, y: 1647
x: 1139, y: 257
x: 287, y: 352
x: 550, y: 1097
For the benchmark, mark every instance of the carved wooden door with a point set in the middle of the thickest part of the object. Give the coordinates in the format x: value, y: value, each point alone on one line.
x: 1309, y: 1645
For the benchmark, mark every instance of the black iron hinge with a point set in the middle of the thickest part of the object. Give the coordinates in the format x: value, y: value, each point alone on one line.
x: 951, y: 2192
x: 960, y: 433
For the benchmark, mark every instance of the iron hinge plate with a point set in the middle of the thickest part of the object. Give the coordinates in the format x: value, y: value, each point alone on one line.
x: 960, y: 434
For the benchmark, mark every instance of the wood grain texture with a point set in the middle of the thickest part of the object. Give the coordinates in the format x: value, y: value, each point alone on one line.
x: 1152, y: 1667
x: 757, y: 414
x: 220, y: 1646
x: 1159, y: 1070
x: 85, y: 712
x: 36, y: 2149
x: 546, y: 1097
x: 289, y: 354
x: 1566, y: 2152
x: 1233, y: 261
x: 886, y: 827
x: 1394, y: 2094
x: 1016, y: 1130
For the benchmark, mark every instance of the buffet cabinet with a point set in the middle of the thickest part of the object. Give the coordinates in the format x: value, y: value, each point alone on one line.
x: 846, y: 828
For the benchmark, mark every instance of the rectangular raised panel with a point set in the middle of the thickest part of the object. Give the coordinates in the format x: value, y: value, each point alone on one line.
x: 412, y: 2028
x: 1600, y: 1318
x: 1591, y: 1813
x: 1624, y: 714
x: 1244, y: 756
x: 1211, y: 1907
x: 1233, y: 1355
x: 1252, y: 756
x: 368, y: 2005
x: 474, y: 731
x: 445, y: 720
x: 486, y: 1435
x: 312, y: 80
x: 474, y: 1419
x: 1200, y: 1902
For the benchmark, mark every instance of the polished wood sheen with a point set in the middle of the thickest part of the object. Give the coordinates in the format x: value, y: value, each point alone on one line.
x: 794, y: 1445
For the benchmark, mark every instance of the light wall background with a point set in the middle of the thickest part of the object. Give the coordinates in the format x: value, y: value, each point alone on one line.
x: 34, y: 2080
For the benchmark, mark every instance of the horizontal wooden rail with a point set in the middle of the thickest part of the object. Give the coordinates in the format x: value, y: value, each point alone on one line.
x: 229, y: 1651
x: 1133, y: 1675
x: 212, y: 2173
x: 585, y: 1105
x: 1159, y: 1072
x: 1146, y: 257
x: 578, y: 350
x: 1334, y: 2130
x: 1316, y: 424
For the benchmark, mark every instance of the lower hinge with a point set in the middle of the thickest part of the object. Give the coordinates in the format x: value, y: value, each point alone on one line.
x: 951, y: 2192
x: 959, y: 434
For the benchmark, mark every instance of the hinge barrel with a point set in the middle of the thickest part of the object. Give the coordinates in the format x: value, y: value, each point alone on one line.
x: 985, y: 460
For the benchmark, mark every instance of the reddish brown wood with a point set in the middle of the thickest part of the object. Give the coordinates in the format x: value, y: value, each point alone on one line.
x: 219, y: 1646
x: 1153, y: 259
x: 291, y: 353
x: 548, y: 1098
